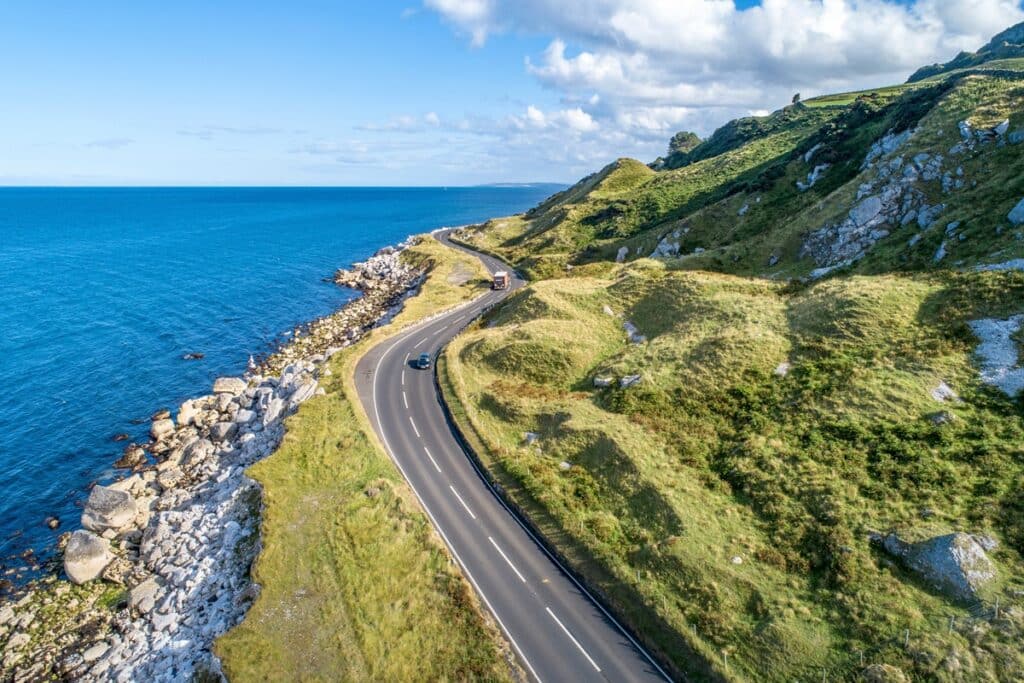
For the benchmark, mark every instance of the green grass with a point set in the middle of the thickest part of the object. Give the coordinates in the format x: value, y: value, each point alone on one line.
x: 757, y: 166
x: 713, y: 457
x: 355, y: 583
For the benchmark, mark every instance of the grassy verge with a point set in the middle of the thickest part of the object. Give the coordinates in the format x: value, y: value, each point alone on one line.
x: 355, y: 583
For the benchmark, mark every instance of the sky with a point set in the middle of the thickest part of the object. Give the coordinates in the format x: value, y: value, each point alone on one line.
x: 426, y: 92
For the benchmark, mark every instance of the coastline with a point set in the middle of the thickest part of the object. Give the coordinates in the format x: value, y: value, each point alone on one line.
x: 173, y: 542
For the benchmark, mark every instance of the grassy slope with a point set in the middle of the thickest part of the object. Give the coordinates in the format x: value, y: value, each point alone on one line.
x: 355, y: 584
x: 704, y: 199
x: 713, y: 457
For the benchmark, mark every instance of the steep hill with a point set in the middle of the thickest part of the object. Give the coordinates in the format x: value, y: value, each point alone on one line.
x: 766, y: 394
x: 1007, y: 45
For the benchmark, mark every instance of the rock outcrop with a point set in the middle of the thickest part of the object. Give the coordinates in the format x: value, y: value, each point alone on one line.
x: 889, y: 199
x: 955, y: 564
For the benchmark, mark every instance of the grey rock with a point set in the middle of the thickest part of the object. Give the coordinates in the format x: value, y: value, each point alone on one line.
x: 866, y: 211
x: 966, y: 132
x: 187, y: 413
x: 954, y: 564
x: 623, y: 252
x: 743, y: 210
x: 1001, y: 129
x: 161, y: 429
x: 229, y: 385
x: 222, y: 431
x: 302, y: 393
x: 629, y: 380
x: 245, y: 416
x: 95, y: 652
x: 1016, y: 137
x: 940, y: 253
x: 927, y: 215
x: 86, y: 556
x: 143, y: 596
x: 275, y: 409
x: 1016, y: 215
x: 530, y: 438
x: 602, y: 382
x: 812, y: 178
x: 197, y: 451
x: 108, y: 508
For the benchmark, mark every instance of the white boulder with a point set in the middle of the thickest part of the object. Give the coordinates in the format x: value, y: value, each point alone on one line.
x: 108, y: 508
x: 86, y: 556
x: 229, y: 385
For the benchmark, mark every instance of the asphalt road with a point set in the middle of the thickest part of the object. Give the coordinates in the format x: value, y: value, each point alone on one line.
x: 557, y: 630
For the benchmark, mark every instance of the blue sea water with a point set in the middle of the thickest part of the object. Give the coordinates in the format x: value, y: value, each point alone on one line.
x: 103, y: 290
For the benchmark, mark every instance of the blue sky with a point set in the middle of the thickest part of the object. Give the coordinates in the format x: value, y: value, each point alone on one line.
x: 421, y: 93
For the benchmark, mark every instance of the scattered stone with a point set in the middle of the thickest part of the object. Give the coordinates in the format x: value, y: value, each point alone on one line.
x: 161, y: 414
x: 743, y: 210
x: 86, y: 556
x: 530, y: 438
x: 121, y: 437
x: 95, y: 652
x: 736, y: 559
x: 633, y: 334
x: 108, y: 508
x: 668, y: 246
x: 1016, y: 215
x: 942, y: 417
x: 782, y: 369
x: 812, y: 178
x: 602, y: 382
x: 52, y: 522
x: 943, y: 392
x: 623, y: 252
x: 629, y: 380
x: 564, y: 466
x: 1016, y: 137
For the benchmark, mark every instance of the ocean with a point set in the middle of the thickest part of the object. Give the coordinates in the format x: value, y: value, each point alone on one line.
x: 104, y: 290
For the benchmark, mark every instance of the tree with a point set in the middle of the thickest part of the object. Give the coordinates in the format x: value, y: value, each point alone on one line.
x: 796, y: 98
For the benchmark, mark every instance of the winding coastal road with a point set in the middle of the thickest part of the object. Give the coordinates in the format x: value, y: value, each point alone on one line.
x: 557, y: 629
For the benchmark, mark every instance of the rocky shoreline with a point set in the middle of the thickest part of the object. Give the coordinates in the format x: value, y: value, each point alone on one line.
x: 161, y: 565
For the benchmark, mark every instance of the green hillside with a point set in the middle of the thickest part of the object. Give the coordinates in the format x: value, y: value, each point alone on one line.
x: 751, y: 374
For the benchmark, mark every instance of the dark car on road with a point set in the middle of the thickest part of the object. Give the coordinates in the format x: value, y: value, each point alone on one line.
x: 423, y: 362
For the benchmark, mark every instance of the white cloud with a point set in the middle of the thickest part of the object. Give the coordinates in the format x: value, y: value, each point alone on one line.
x: 643, y: 68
